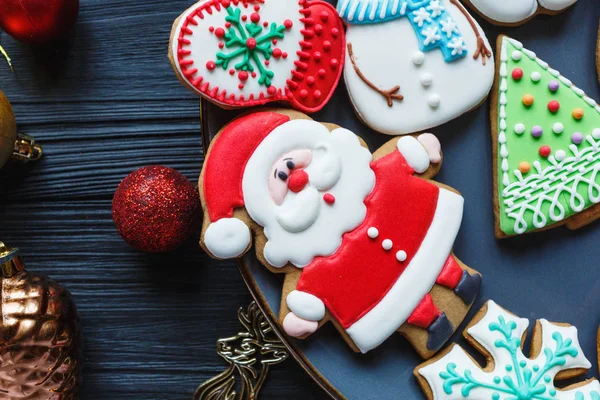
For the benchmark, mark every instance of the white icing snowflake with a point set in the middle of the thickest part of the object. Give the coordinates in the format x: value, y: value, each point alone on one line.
x: 458, y: 46
x: 449, y: 27
x: 421, y: 16
x: 436, y: 8
x: 431, y: 35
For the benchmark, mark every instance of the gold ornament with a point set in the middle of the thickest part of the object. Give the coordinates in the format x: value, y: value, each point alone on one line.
x: 18, y: 147
x: 40, y: 338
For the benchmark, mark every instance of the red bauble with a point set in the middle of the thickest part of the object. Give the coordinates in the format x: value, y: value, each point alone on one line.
x: 156, y: 209
x: 38, y: 21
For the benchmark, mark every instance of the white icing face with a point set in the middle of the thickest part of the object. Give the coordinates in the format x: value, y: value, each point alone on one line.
x: 311, y: 195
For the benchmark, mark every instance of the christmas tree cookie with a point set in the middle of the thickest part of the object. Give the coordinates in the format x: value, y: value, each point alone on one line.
x: 510, y: 375
x: 242, y: 53
x: 546, y: 138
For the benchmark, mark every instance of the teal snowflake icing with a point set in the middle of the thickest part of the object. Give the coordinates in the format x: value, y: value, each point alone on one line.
x: 248, y: 41
x: 515, y: 377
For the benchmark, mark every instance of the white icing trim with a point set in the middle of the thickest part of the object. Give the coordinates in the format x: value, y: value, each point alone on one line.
x: 415, y: 154
x: 417, y: 279
x: 305, y: 305
x: 227, y: 238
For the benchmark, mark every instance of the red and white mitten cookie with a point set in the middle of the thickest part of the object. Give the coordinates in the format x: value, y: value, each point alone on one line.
x: 242, y: 53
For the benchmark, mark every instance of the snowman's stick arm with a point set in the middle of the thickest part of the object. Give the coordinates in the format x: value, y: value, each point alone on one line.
x: 482, y: 49
x: 390, y: 95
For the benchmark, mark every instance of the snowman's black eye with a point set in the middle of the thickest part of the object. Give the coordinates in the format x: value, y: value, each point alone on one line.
x: 282, y: 175
x: 290, y: 164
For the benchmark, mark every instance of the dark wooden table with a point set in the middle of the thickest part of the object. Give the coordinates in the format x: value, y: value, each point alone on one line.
x: 105, y: 104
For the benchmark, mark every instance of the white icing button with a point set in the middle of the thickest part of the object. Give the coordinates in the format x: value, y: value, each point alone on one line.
x: 373, y: 232
x: 434, y: 101
x: 519, y: 128
x: 596, y: 133
x: 560, y: 155
x: 426, y: 79
x: 401, y: 256
x: 536, y: 76
x: 418, y: 58
x: 558, y: 128
x: 387, y: 244
x: 516, y: 55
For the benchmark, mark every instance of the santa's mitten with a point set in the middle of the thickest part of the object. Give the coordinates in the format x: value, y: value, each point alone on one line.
x: 238, y: 53
x: 414, y: 153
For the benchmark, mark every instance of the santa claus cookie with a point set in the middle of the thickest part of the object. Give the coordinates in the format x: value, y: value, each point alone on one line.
x: 241, y: 53
x: 365, y: 240
x: 414, y: 64
x: 546, y: 138
x: 517, y: 12
x: 510, y: 375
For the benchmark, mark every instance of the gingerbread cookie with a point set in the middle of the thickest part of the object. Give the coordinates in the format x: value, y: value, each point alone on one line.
x: 365, y: 240
x: 509, y: 374
x: 598, y: 54
x: 546, y: 136
x: 412, y: 65
x: 242, y: 53
x: 517, y: 12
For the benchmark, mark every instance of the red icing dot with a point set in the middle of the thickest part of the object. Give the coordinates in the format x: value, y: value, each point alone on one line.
x: 221, y: 45
x: 334, y: 63
x: 317, y: 94
x: 220, y: 32
x: 243, y: 76
x: 304, y: 93
x: 226, y: 3
x: 322, y: 73
x: 324, y: 16
x: 255, y: 18
x: 251, y: 43
x: 335, y: 32
x: 254, y: 74
x: 277, y: 52
x: 265, y: 24
x: 211, y: 65
x: 271, y: 90
x: 211, y: 29
x: 288, y: 24
x: 284, y: 54
x: 517, y: 74
x: 310, y: 80
x: 241, y: 86
x: 267, y: 62
x: 553, y: 106
x: 257, y: 8
x: 227, y: 24
x: 318, y: 29
x: 317, y: 56
x: 329, y: 198
x: 545, y: 151
x: 231, y: 72
x: 244, y: 17
x: 274, y: 41
x: 327, y: 45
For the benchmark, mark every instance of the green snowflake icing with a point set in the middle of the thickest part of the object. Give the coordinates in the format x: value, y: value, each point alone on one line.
x: 521, y: 382
x: 248, y: 41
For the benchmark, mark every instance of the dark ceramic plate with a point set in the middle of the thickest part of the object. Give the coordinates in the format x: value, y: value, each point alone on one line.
x: 553, y: 274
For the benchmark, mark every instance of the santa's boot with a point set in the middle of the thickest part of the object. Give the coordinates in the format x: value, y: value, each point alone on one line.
x: 439, y: 327
x: 465, y: 285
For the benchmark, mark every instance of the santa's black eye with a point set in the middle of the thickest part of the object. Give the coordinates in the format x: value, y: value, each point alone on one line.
x: 290, y: 165
x: 282, y: 175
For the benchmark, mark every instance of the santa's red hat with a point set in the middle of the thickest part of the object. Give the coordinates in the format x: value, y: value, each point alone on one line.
x: 226, y: 236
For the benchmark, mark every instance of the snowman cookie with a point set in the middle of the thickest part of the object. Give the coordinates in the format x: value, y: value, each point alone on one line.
x: 546, y: 138
x: 242, y: 53
x: 517, y: 12
x: 414, y: 64
x: 365, y: 240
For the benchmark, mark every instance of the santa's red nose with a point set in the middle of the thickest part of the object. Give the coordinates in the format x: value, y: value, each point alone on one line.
x: 297, y: 180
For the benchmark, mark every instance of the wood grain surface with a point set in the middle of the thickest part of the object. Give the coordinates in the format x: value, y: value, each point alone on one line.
x: 104, y: 104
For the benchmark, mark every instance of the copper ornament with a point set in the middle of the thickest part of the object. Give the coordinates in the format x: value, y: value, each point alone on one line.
x: 40, y: 338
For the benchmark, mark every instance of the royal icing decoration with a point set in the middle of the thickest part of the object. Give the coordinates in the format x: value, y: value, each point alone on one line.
x: 241, y: 53
x: 513, y: 12
x: 560, y: 118
x: 396, y: 78
x: 512, y: 375
x: 368, y: 238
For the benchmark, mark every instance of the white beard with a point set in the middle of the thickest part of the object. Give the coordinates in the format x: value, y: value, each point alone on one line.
x: 304, y: 226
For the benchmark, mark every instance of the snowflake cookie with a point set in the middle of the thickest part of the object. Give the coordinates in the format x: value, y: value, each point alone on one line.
x: 546, y: 136
x: 242, y: 53
x: 509, y: 374
x: 517, y: 12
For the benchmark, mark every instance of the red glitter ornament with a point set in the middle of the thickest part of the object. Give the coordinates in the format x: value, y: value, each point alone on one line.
x: 156, y: 209
x: 38, y: 21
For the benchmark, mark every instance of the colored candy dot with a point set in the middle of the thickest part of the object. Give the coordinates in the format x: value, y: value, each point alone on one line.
x: 418, y: 58
x: 536, y: 76
x: 244, y: 17
x: 253, y: 74
x: 304, y: 93
x: 321, y: 73
x: 545, y: 151
x: 426, y: 79
x: 324, y: 16
x: 334, y: 63
x: 560, y: 155
x: 497, y: 380
x: 519, y: 128
x: 265, y: 24
x: 335, y: 32
x: 516, y: 55
x: 547, y: 379
x: 552, y: 392
x: 553, y: 106
x: 387, y: 244
x: 284, y: 54
x: 596, y: 133
x: 310, y: 80
x: 508, y: 367
x: 528, y: 99
x: 271, y: 90
x: 256, y: 7
x: 553, y: 86
x: 578, y: 113
x: 277, y: 52
x: 318, y: 29
x: 211, y: 65
x: 577, y: 137
x: 524, y: 167
x: 401, y: 256
x: 373, y: 232
x: 220, y: 33
x: 317, y: 56
x: 329, y: 198
x: 288, y: 24
x: 251, y: 43
x: 221, y: 45
x: 536, y: 368
x: 517, y: 74
x: 232, y: 72
x: 327, y: 45
x: 227, y: 25
x: 241, y: 86
x: 537, y: 131
x: 523, y: 364
x: 434, y: 101
x: 558, y: 128
x: 255, y: 18
x: 243, y: 76
x: 317, y: 94
x: 211, y: 29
